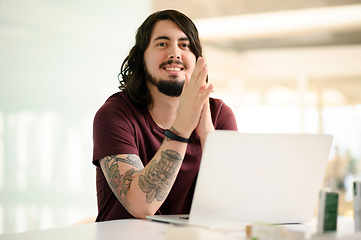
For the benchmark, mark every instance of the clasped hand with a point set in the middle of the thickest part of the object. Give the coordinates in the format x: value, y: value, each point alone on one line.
x: 193, y: 110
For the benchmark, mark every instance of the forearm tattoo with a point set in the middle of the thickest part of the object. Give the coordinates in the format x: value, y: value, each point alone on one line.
x: 120, y: 183
x: 159, y: 176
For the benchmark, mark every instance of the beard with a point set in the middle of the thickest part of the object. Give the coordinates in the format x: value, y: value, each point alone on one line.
x: 172, y: 87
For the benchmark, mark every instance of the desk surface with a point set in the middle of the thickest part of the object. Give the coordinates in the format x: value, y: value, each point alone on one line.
x: 125, y: 229
x: 131, y: 229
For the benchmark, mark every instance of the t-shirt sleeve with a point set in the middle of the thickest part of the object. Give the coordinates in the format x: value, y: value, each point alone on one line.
x: 113, y: 134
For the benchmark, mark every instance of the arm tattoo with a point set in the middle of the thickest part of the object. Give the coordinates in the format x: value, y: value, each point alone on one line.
x: 120, y: 183
x: 160, y: 176
x: 130, y: 159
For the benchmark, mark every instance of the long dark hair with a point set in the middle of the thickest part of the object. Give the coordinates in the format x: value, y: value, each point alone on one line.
x: 132, y: 72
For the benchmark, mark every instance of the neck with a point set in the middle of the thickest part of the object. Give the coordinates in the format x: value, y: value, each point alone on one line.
x: 163, y: 109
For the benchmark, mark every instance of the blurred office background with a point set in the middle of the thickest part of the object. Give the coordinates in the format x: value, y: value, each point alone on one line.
x: 284, y: 66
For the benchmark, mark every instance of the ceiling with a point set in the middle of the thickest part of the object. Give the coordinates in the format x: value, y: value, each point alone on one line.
x: 327, y: 54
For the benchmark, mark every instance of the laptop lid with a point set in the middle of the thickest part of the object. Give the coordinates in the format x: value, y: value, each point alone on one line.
x: 247, y: 177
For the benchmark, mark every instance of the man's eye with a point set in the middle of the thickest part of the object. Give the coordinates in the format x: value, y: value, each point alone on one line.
x: 161, y: 44
x: 185, y: 45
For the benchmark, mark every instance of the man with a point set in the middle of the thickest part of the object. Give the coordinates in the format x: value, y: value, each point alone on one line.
x: 148, y: 138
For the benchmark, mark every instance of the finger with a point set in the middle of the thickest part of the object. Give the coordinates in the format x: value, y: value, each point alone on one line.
x: 188, y: 77
x: 206, y: 104
x: 206, y: 92
x: 186, y: 84
x: 197, y: 69
x: 202, y: 78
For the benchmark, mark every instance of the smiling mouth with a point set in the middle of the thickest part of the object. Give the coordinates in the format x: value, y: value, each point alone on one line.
x: 173, y: 69
x: 173, y: 66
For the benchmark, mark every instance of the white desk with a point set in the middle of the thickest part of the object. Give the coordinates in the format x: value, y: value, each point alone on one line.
x: 119, y: 229
x: 127, y: 229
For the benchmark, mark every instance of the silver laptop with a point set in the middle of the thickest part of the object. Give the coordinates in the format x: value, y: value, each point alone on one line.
x: 246, y: 177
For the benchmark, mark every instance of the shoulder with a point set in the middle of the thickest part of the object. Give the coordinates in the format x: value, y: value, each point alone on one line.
x: 219, y: 107
x: 119, y: 100
x: 119, y: 104
x: 117, y: 111
x: 222, y: 115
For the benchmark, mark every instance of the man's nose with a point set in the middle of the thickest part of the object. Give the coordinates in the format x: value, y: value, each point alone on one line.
x: 174, y: 53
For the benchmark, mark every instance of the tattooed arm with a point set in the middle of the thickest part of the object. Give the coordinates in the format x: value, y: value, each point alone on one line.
x: 119, y: 171
x: 142, y: 190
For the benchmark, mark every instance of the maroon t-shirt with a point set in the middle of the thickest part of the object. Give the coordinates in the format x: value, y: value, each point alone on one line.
x: 122, y: 127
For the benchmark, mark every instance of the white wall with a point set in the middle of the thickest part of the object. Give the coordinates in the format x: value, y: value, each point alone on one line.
x: 59, y: 62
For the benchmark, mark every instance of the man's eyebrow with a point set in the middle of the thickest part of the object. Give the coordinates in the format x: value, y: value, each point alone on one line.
x: 167, y: 38
x: 183, y: 39
x: 161, y: 38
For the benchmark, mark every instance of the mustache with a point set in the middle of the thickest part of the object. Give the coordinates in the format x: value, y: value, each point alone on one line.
x: 171, y: 61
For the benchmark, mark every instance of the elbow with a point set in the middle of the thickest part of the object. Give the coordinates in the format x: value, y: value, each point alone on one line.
x: 140, y: 210
x: 142, y: 213
x: 136, y: 205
